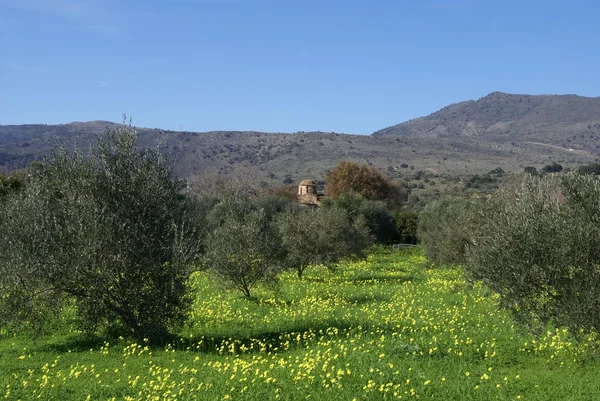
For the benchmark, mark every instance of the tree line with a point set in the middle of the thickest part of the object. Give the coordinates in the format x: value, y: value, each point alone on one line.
x: 115, y: 236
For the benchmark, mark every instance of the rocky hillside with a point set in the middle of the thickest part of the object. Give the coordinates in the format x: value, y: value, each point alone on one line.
x: 499, y: 130
x: 569, y: 121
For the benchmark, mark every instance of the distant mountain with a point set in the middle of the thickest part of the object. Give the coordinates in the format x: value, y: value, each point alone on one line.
x: 501, y: 117
x: 473, y: 137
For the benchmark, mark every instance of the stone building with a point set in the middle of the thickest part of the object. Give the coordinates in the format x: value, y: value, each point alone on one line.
x: 308, y: 195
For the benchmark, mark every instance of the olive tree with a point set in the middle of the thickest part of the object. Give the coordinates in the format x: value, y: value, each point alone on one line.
x: 320, y: 236
x: 406, y: 224
x: 445, y: 227
x: 371, y: 214
x: 244, y: 246
x: 538, y: 246
x: 111, y: 232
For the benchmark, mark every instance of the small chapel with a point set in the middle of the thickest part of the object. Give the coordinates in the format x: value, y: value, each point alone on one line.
x: 308, y: 195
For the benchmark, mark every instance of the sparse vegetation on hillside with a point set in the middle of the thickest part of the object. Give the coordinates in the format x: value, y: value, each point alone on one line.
x: 500, y: 130
x: 572, y: 120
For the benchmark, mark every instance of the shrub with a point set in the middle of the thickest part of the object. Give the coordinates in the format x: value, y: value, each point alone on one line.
x: 111, y: 232
x: 485, y: 181
x: 406, y: 224
x: 552, y: 168
x: 538, y: 246
x: 444, y: 229
x: 9, y: 185
x: 592, y: 169
x: 499, y: 171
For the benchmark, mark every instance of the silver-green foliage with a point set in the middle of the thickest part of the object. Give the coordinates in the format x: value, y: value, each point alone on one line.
x: 538, y: 246
x: 244, y: 247
x: 363, y: 212
x: 320, y: 236
x: 444, y: 229
x: 110, y: 231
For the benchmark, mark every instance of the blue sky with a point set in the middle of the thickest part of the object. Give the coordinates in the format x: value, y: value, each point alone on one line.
x: 285, y: 65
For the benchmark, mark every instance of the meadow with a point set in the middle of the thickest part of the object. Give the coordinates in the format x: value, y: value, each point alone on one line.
x: 385, y: 327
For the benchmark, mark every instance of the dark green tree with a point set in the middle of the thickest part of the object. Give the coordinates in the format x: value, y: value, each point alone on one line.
x: 406, y: 224
x: 9, y: 184
x: 552, y: 168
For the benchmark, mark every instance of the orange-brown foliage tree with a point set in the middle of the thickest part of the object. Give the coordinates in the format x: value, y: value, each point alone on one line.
x: 365, y: 180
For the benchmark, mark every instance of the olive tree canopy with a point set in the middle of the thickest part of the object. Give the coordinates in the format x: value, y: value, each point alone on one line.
x: 111, y: 231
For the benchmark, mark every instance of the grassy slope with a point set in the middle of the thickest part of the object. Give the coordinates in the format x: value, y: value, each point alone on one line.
x: 384, y: 328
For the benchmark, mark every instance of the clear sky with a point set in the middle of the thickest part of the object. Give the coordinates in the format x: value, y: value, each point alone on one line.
x: 285, y: 65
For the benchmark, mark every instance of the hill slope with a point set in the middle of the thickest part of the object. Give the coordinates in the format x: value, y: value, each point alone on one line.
x: 500, y: 117
x: 499, y: 130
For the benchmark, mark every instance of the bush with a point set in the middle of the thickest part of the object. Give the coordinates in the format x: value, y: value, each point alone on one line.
x: 538, y: 246
x: 485, y: 181
x: 371, y: 214
x: 111, y: 232
x: 444, y: 229
x: 9, y: 185
x: 406, y: 225
x: 592, y: 169
x: 530, y: 170
x: 552, y: 168
x: 320, y: 236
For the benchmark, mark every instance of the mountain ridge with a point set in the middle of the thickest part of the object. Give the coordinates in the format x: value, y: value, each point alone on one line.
x: 498, y: 130
x: 499, y: 113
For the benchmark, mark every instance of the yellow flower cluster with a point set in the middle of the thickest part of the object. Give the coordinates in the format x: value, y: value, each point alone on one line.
x: 379, y: 328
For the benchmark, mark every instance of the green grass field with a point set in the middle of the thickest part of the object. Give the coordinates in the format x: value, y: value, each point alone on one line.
x: 381, y: 328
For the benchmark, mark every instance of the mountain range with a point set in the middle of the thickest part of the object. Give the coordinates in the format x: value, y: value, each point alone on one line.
x: 499, y: 130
